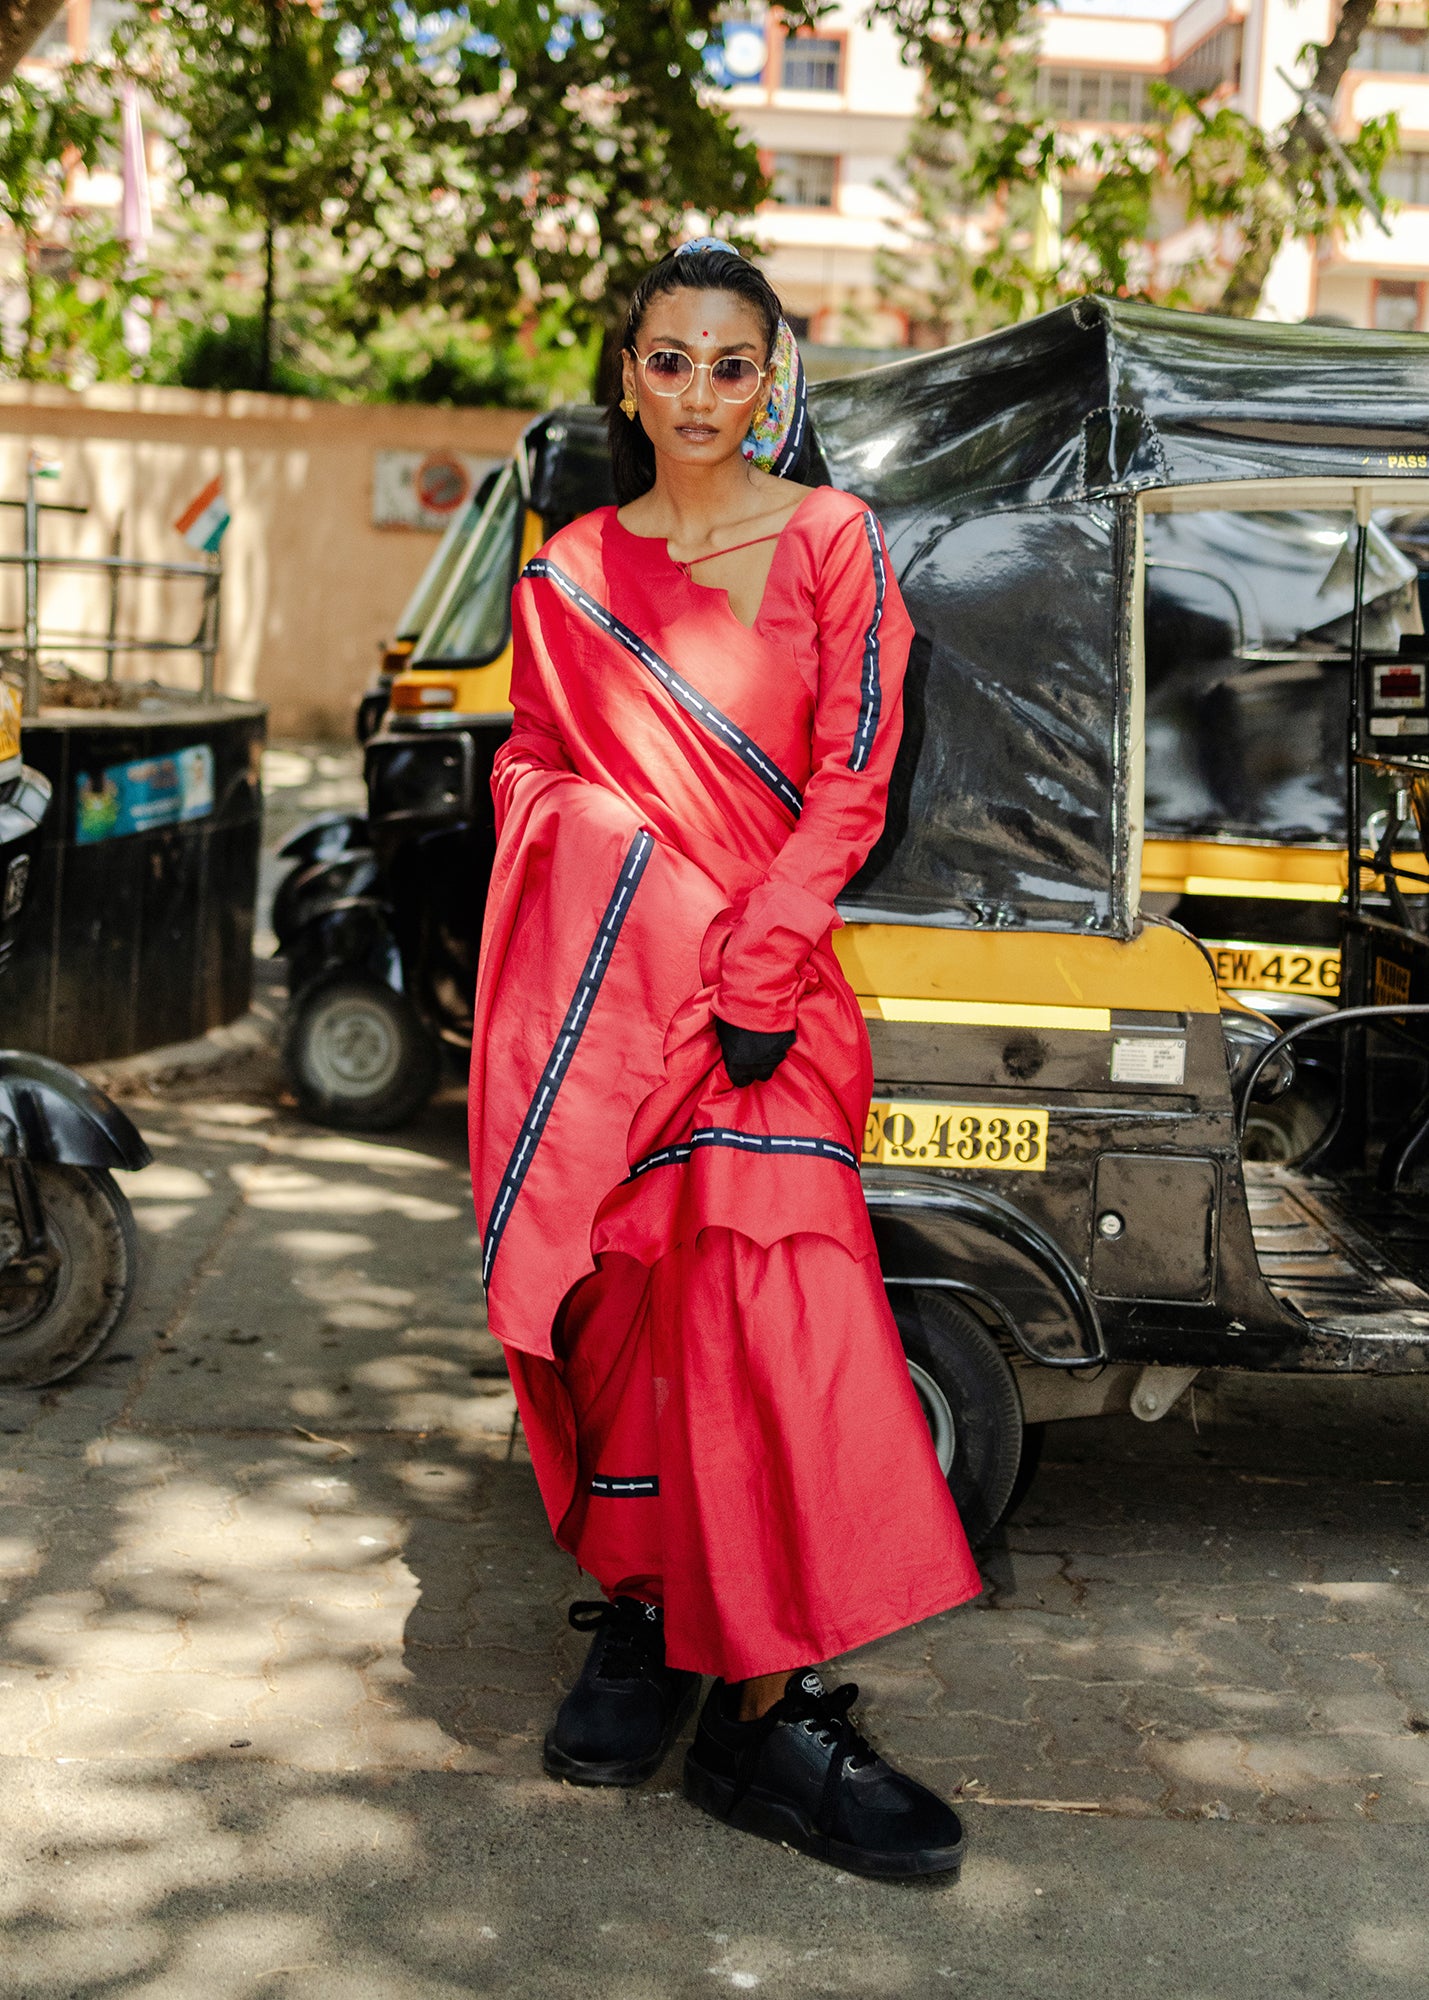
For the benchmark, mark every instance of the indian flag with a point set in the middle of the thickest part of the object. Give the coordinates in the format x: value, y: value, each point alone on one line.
x: 204, y: 519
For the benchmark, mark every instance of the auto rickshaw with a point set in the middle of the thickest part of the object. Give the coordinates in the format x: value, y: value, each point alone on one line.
x: 379, y: 917
x: 1054, y: 1161
x: 396, y: 653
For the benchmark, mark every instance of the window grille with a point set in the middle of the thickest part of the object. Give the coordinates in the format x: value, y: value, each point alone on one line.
x: 812, y: 62
x: 1393, y: 45
x: 1100, y: 96
x: 1215, y: 62
x: 1406, y: 178
x: 1396, y: 306
x: 804, y: 180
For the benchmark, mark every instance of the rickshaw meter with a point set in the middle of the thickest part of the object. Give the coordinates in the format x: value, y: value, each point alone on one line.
x: 1396, y: 693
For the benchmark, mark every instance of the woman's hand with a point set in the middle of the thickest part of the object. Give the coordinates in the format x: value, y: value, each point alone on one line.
x: 749, y: 1055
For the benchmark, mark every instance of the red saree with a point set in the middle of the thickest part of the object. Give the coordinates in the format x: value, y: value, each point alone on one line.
x: 683, y: 1273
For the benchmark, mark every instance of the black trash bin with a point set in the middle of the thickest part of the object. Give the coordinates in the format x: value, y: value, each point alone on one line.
x: 140, y: 904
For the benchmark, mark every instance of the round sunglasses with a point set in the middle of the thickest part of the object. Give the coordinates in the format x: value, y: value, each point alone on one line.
x: 668, y: 372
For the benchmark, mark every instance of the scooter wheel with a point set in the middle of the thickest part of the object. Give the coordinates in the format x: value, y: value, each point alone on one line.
x: 970, y: 1400
x: 48, y: 1330
x: 358, y: 1055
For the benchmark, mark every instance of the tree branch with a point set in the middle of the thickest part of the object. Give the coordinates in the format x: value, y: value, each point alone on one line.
x: 22, y: 22
x: 1293, y: 156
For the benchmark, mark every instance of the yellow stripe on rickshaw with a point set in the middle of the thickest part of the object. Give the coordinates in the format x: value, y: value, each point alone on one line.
x: 985, y: 1014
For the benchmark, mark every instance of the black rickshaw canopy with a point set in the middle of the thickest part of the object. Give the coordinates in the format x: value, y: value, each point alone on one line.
x: 1008, y: 474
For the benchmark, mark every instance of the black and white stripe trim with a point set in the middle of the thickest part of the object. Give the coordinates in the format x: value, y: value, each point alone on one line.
x: 871, y: 691
x: 745, y: 1142
x: 646, y: 1487
x: 572, y: 1028
x: 689, y: 698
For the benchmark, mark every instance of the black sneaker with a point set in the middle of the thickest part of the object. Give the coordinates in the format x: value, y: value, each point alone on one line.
x: 617, y: 1723
x: 803, y: 1774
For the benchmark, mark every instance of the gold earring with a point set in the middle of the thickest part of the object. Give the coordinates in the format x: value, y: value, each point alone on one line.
x: 627, y: 403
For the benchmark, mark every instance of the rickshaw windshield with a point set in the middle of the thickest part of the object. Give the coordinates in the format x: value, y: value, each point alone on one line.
x: 448, y: 553
x: 472, y: 623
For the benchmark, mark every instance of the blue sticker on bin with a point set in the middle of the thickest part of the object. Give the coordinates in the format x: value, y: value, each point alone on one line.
x: 154, y: 791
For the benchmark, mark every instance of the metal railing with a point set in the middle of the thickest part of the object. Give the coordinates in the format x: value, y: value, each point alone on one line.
x: 208, y: 572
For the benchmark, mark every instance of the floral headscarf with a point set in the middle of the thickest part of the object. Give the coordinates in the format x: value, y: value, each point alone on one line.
x: 776, y: 432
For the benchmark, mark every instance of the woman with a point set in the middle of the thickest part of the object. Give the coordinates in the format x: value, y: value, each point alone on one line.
x: 670, y: 1083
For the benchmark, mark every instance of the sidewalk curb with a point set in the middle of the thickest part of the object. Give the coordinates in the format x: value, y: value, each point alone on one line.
x: 183, y: 1061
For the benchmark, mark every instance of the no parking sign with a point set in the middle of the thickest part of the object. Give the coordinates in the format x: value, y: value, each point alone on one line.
x: 423, y: 489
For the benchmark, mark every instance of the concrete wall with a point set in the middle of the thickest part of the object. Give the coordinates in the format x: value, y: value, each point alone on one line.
x: 310, y: 586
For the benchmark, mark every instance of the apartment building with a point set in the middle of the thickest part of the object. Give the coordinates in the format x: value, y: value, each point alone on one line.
x: 1095, y: 69
x: 830, y: 112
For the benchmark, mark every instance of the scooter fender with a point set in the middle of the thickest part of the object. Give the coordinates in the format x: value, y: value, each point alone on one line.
x: 313, y: 887
x: 51, y: 1113
x: 326, y: 838
x: 350, y: 934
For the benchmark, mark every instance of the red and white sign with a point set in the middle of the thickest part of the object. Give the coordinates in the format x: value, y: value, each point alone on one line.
x: 422, y: 489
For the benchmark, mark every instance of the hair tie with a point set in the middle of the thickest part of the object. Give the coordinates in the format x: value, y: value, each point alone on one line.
x: 776, y: 433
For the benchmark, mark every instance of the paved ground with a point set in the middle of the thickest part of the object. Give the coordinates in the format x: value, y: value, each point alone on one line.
x: 284, y: 1627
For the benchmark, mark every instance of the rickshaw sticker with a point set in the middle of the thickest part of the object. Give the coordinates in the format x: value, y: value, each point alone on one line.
x: 16, y: 876
x: 1391, y: 983
x: 9, y: 722
x: 1006, y: 1138
x: 1148, y: 1059
x: 1255, y: 968
x: 153, y: 791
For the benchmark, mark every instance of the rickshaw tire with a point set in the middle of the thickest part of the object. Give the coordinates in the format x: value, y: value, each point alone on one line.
x: 950, y: 1345
x: 403, y: 1085
x: 1034, y: 1437
x: 90, y: 1222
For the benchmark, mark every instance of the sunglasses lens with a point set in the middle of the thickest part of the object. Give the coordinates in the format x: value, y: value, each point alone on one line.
x: 735, y: 379
x: 667, y: 371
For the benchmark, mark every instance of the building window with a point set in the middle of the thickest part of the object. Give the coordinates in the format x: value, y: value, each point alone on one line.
x: 804, y: 180
x: 1406, y: 178
x: 1390, y: 45
x: 1098, y: 96
x: 812, y: 62
x: 1215, y: 62
x: 1396, y: 305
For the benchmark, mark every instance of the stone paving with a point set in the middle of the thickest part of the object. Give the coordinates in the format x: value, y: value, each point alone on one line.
x: 283, y: 1628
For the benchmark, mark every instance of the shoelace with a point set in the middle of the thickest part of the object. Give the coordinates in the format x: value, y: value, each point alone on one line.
x: 629, y: 1635
x: 826, y: 1717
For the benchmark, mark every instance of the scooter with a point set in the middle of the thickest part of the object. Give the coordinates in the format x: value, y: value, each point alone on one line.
x: 68, y: 1246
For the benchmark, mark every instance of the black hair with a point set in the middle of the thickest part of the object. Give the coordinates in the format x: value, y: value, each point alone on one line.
x: 632, y: 456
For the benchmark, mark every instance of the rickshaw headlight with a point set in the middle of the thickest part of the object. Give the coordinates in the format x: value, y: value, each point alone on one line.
x: 1248, y: 1036
x: 421, y: 697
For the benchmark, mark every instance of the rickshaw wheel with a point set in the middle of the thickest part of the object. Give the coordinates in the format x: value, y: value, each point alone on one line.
x: 358, y: 1055
x: 967, y: 1392
x: 1286, y: 1129
x: 49, y: 1330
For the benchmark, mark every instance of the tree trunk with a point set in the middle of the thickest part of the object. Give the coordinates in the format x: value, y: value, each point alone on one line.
x: 22, y: 22
x: 606, y: 385
x: 265, y: 331
x: 1295, y: 153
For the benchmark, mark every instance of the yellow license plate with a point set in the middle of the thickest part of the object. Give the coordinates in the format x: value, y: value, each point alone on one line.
x: 9, y: 722
x: 909, y: 1134
x: 1275, y: 968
